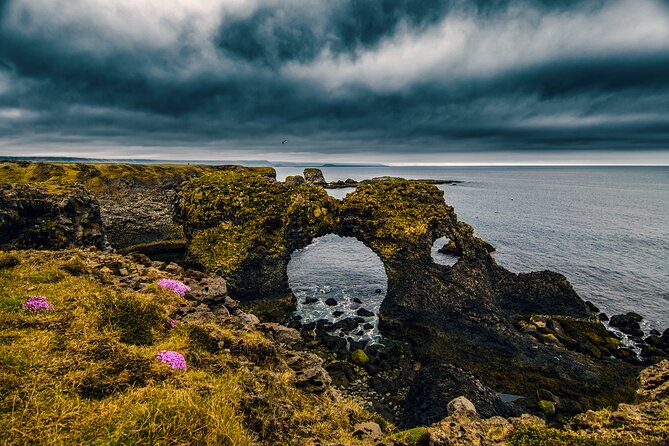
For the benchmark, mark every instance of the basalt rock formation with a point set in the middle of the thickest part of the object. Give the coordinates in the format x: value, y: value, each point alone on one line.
x: 33, y: 218
x: 246, y: 226
x: 137, y: 203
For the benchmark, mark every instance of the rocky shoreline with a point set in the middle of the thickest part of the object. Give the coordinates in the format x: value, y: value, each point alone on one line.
x: 473, y: 331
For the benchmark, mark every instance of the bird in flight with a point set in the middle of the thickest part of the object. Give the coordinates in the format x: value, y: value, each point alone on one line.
x: 284, y: 141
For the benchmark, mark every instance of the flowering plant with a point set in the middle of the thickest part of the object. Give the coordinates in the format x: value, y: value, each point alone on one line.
x: 172, y: 323
x: 173, y: 359
x: 36, y: 303
x: 174, y: 285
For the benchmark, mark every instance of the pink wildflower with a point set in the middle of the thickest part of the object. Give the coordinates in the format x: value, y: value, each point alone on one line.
x: 172, y: 323
x: 173, y: 359
x: 36, y: 303
x: 174, y: 285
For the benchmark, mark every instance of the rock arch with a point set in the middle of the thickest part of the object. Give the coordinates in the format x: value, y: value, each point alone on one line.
x: 246, y: 226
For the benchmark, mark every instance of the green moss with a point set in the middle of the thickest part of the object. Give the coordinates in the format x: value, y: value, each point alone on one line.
x: 535, y: 435
x: 102, y: 178
x: 75, y: 266
x: 275, y: 309
x: 66, y: 378
x: 400, y: 216
x: 359, y: 357
x: 234, y: 217
x: 47, y: 275
x: 547, y: 407
x: 417, y: 436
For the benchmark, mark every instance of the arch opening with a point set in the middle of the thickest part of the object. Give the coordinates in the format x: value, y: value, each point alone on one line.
x: 339, y: 284
x: 445, y: 252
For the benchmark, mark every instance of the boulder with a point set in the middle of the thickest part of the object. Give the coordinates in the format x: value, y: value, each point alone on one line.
x: 281, y: 333
x: 314, y: 176
x: 627, y: 323
x: 368, y: 430
x: 364, y: 312
x: 435, y: 386
x: 309, y: 372
x: 460, y: 404
x: 294, y: 180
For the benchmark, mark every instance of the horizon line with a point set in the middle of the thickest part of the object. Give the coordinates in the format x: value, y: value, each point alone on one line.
x: 65, y: 159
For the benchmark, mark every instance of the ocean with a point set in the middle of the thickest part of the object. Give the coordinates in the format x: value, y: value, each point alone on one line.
x: 605, y: 228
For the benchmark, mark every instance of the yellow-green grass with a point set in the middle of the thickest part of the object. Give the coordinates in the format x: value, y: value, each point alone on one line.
x: 99, y: 177
x: 86, y: 373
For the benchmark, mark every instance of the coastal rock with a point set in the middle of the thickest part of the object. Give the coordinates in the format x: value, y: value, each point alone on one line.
x: 364, y: 312
x: 294, y: 180
x: 280, y: 333
x: 627, y: 323
x: 309, y: 372
x: 49, y: 217
x: 460, y: 404
x: 435, y: 387
x: 314, y: 176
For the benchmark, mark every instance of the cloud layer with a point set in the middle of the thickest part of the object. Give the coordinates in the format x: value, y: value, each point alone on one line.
x: 384, y: 79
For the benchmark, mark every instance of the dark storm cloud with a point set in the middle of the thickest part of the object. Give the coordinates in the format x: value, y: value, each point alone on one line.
x: 346, y: 76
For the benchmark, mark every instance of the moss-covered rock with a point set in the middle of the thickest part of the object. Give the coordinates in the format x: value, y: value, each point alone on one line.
x: 359, y: 357
x: 245, y: 225
x: 50, y: 217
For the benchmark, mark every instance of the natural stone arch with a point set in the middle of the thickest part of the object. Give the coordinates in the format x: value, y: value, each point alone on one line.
x: 246, y: 226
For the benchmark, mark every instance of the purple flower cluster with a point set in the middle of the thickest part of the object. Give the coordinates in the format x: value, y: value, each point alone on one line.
x: 36, y: 303
x: 172, y: 323
x: 173, y: 359
x: 174, y: 285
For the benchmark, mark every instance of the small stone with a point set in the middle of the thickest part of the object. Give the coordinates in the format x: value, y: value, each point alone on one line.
x: 105, y: 271
x: 331, y: 301
x: 364, y: 312
x: 359, y: 357
x: 357, y: 300
x: 173, y: 268
x: 368, y: 431
x: 547, y: 407
x: 123, y: 272
x: 460, y: 405
x: 310, y: 300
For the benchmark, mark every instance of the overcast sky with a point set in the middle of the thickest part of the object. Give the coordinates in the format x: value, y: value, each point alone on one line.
x: 430, y: 81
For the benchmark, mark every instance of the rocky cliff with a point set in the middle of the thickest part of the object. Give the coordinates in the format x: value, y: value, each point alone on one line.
x: 32, y: 217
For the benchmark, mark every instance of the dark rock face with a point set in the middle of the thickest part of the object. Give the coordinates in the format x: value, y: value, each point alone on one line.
x: 314, y: 176
x: 138, y: 203
x: 462, y: 314
x: 32, y: 217
x: 627, y: 323
x: 437, y: 384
